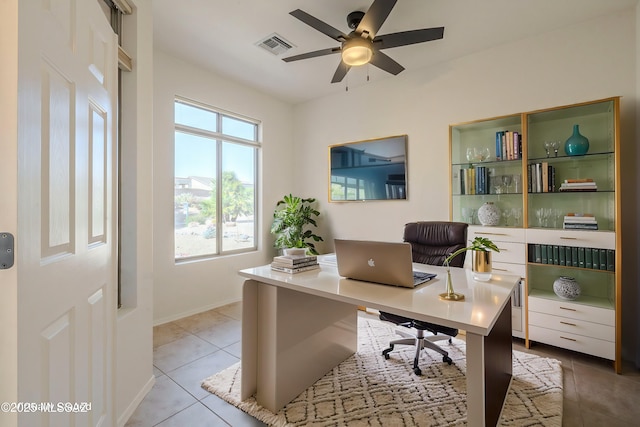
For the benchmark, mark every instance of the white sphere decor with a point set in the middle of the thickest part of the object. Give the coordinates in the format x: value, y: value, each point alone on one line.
x: 489, y: 214
x: 566, y: 288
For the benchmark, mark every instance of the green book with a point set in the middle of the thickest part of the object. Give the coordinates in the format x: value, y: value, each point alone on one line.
x: 611, y: 260
x: 587, y: 258
x: 556, y: 254
x: 538, y: 253
x: 561, y: 254
x: 544, y: 254
x: 574, y: 256
x: 595, y: 258
x: 581, y: 257
x: 567, y: 255
x: 603, y: 259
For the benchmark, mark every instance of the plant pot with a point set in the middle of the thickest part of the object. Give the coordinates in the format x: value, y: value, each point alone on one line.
x: 294, y: 251
x: 481, y: 265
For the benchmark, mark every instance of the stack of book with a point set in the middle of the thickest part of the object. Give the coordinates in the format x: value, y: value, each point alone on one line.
x: 294, y: 263
x: 576, y: 221
x: 586, y: 184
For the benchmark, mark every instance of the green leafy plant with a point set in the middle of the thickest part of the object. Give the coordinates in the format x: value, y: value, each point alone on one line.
x: 291, y: 221
x: 478, y: 244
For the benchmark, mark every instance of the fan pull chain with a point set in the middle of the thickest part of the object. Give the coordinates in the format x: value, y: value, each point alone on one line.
x: 367, y: 71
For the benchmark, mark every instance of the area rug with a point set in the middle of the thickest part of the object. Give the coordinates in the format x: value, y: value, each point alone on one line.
x: 367, y: 390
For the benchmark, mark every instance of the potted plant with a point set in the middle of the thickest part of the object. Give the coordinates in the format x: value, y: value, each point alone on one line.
x: 481, y: 264
x: 291, y: 221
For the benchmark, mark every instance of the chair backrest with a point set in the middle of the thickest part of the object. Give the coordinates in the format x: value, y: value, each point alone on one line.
x: 433, y: 241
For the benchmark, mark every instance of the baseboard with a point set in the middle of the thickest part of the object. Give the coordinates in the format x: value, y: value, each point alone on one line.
x: 171, y: 318
x: 122, y: 420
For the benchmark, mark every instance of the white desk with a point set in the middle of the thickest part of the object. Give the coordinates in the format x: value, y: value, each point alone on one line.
x: 297, y: 327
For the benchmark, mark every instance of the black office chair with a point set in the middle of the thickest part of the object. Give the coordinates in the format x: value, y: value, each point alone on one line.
x: 431, y: 243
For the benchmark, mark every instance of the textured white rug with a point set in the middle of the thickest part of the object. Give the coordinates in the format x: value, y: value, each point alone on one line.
x: 367, y: 390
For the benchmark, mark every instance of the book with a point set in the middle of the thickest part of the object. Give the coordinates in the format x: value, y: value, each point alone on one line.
x: 603, y: 259
x: 587, y: 258
x: 538, y: 253
x: 581, y: 256
x: 579, y: 226
x: 595, y: 258
x: 556, y: 254
x: 578, y: 180
x: 543, y: 251
x: 295, y: 269
x: 299, y: 265
x: 567, y: 256
x: 561, y: 255
x: 545, y: 177
x: 498, y: 146
x: 611, y: 260
x: 574, y: 256
x: 294, y: 259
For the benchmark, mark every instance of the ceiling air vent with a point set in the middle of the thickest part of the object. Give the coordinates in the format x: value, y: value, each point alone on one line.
x: 275, y: 44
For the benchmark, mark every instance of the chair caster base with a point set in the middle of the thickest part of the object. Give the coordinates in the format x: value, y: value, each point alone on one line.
x: 417, y: 371
x: 386, y: 352
x: 447, y: 359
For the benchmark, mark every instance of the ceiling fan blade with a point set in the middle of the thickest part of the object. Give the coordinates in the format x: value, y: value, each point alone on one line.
x: 375, y: 17
x: 341, y: 71
x: 385, y: 63
x: 408, y: 37
x: 323, y: 27
x: 313, y: 54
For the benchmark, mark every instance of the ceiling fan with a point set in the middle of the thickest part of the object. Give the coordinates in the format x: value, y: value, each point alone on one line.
x: 362, y: 45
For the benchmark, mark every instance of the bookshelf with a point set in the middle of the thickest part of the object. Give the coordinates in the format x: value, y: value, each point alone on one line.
x: 567, y: 203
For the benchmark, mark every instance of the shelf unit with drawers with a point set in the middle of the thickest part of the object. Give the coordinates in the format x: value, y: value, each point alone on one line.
x: 533, y: 219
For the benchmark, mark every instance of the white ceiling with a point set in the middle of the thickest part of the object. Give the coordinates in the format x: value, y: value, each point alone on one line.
x: 221, y: 35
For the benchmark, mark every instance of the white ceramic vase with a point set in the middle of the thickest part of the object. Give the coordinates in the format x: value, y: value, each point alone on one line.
x: 566, y: 288
x: 489, y: 214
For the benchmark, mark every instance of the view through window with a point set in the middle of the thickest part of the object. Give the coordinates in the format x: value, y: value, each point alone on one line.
x: 215, y: 174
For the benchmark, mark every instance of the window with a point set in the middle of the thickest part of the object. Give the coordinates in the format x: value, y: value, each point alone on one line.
x: 216, y: 156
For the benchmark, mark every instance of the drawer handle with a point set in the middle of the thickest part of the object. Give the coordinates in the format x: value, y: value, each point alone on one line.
x: 568, y: 238
x: 490, y: 234
x: 565, y: 338
x: 570, y: 309
x: 503, y: 249
x: 500, y: 269
x: 567, y: 323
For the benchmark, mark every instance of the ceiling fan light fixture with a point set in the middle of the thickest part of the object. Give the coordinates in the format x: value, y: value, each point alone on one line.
x: 356, y: 51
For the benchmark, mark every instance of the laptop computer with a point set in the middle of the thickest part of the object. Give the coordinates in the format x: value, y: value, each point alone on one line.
x: 389, y: 263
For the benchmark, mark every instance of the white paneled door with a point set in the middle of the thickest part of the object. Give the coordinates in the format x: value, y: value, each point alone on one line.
x: 67, y: 92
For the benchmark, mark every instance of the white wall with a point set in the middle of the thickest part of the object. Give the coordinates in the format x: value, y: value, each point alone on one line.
x: 589, y: 61
x: 134, y: 339
x: 187, y: 288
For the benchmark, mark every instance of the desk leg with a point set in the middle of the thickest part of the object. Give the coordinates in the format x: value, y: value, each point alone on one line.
x: 292, y: 339
x: 249, y: 359
x: 489, y: 370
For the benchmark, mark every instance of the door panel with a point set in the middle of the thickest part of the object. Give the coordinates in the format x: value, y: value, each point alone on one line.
x: 66, y: 205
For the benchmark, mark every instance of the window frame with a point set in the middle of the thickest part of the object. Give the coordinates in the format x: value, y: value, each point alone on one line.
x: 219, y: 138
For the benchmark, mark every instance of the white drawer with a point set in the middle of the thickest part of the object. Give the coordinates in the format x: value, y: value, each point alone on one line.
x: 571, y: 310
x: 507, y: 268
x: 583, y: 344
x: 496, y: 234
x: 509, y: 252
x: 587, y: 239
x: 573, y: 326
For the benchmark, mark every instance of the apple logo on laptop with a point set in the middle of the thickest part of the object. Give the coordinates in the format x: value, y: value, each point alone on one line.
x: 371, y: 262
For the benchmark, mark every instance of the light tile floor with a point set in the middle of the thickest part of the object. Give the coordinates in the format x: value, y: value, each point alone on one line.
x: 188, y: 350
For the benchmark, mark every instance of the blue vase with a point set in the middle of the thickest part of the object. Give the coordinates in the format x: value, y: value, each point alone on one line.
x: 576, y: 144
